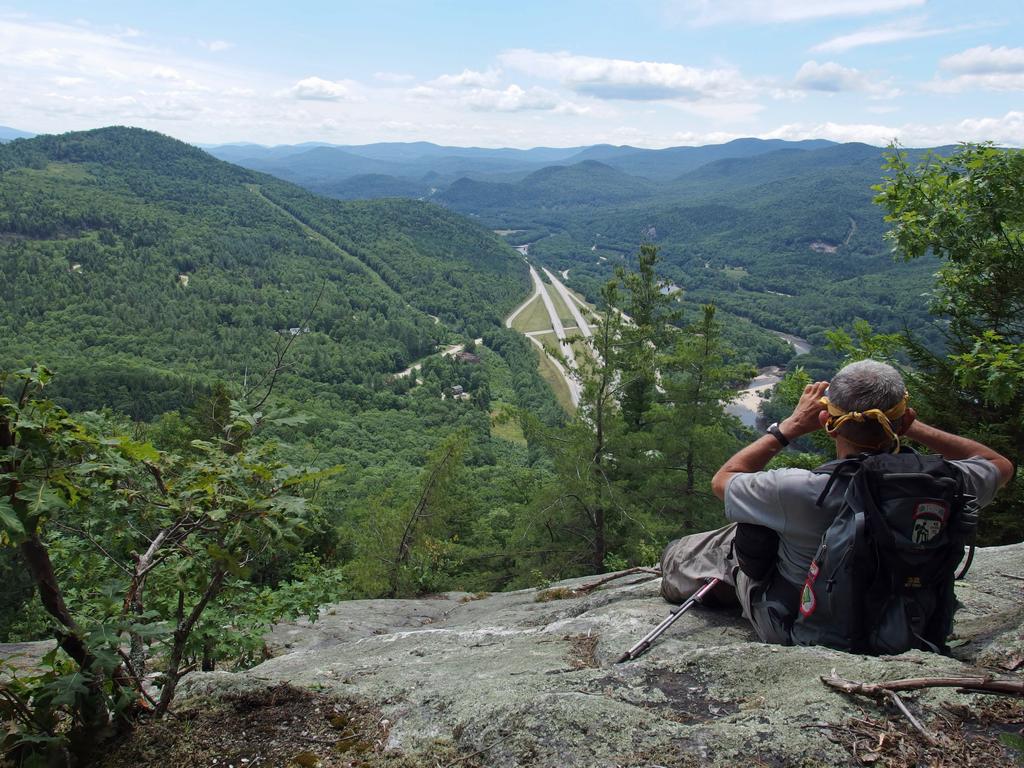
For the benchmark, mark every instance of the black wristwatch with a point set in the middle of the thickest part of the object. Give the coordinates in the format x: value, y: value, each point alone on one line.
x: 774, y: 431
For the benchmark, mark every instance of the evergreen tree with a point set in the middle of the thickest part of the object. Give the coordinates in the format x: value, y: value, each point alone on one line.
x: 651, y: 315
x: 402, y: 531
x: 690, y: 431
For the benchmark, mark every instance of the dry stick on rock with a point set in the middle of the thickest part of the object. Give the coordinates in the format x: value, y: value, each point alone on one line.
x: 887, y: 690
x: 135, y: 677
x: 587, y: 588
x: 981, y: 683
x: 925, y: 733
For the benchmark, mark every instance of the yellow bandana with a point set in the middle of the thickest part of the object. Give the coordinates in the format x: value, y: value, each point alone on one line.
x: 838, y: 417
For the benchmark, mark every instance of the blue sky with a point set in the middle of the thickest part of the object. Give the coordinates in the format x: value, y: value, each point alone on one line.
x: 658, y: 73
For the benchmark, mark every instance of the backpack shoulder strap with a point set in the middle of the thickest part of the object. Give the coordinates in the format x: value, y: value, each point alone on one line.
x: 836, y: 469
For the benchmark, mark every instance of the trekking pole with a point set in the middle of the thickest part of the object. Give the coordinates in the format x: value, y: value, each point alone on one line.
x: 678, y: 611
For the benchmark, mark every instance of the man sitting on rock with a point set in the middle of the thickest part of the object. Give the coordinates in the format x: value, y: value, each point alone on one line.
x: 864, y: 412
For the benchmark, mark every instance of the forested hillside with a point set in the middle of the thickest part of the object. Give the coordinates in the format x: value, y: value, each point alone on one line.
x: 552, y: 190
x: 132, y: 261
x: 165, y: 285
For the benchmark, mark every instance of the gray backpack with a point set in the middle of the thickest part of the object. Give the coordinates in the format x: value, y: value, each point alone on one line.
x: 882, y: 579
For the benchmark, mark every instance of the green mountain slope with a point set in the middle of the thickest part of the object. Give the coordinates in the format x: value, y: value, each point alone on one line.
x: 142, y: 265
x: 371, y: 186
x: 666, y: 164
x: 583, y: 185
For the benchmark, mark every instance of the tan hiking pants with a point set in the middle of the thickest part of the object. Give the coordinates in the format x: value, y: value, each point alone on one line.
x: 687, y: 563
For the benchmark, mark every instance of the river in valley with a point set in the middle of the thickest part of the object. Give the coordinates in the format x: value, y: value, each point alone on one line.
x: 746, y: 404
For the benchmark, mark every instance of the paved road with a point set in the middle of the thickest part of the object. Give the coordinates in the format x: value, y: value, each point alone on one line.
x: 556, y: 322
x: 581, y: 321
x: 537, y: 288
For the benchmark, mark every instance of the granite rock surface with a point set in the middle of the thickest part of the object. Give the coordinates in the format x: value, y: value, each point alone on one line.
x: 531, y: 681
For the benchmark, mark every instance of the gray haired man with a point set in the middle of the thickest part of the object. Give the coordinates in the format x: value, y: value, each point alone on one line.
x: 863, y: 409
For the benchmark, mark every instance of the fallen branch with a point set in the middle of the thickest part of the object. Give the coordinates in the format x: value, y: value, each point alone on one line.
x: 983, y: 684
x: 588, y: 588
x: 925, y: 733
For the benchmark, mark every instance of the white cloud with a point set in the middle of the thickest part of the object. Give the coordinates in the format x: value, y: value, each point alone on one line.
x: 628, y: 80
x: 127, y: 32
x: 318, y: 89
x: 479, y: 91
x: 216, y: 46
x: 831, y: 77
x: 696, y: 139
x: 514, y: 98
x: 511, y: 99
x: 996, y: 81
x: 721, y: 111
x: 982, y: 68
x: 468, y: 78
x: 707, y: 12
x: 59, y: 77
x: 865, y: 132
x: 906, y: 29
x: 1007, y: 130
x: 985, y: 60
x: 109, y: 61
x: 166, y: 73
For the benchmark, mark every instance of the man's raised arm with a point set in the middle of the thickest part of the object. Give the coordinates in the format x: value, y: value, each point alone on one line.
x: 954, y: 447
x: 755, y: 456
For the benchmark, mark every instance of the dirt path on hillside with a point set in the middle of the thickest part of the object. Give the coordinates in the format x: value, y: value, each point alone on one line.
x: 322, y: 239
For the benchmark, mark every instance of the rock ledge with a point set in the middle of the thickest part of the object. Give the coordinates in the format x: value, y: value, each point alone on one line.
x: 534, y: 683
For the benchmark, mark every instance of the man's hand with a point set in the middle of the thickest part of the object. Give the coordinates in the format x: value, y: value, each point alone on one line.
x: 805, y: 417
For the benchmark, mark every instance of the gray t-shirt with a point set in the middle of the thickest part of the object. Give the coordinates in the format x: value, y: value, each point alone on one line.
x: 784, y: 500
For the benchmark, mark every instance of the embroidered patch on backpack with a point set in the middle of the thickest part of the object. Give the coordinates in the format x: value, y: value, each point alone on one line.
x: 929, y: 520
x: 808, y: 602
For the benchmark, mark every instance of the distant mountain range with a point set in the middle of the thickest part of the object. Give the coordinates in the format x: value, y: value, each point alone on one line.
x: 736, y: 222
x: 10, y: 134
x: 324, y: 168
